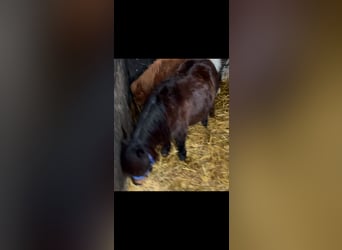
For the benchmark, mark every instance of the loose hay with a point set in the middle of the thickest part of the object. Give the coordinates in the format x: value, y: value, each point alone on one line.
x: 207, y: 164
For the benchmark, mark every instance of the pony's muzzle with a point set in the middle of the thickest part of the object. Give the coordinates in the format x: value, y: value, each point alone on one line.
x: 139, y: 180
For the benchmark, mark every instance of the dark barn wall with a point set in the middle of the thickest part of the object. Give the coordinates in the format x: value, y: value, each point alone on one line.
x: 125, y: 71
x: 135, y: 67
x: 122, y: 118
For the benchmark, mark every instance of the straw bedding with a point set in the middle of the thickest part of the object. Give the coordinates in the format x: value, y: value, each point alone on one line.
x: 207, y: 165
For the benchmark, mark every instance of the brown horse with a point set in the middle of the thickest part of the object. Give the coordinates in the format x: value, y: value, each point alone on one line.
x: 157, y: 72
x: 178, y: 102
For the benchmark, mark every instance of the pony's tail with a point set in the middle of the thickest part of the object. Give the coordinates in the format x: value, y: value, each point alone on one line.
x: 217, y: 63
x: 215, y: 77
x: 225, y: 71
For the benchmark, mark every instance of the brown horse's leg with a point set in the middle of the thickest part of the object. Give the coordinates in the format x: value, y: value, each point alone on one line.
x: 205, y: 122
x: 180, y: 143
x: 166, y: 149
x: 212, y: 111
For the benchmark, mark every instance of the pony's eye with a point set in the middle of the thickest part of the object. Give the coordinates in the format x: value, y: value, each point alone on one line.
x: 140, y: 152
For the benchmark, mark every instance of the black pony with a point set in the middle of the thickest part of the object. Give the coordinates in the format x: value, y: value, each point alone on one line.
x: 184, y: 99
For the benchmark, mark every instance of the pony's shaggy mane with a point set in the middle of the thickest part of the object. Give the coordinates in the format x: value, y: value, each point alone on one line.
x: 152, y: 121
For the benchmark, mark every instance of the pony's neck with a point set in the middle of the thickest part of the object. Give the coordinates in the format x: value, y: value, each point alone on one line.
x: 150, y: 129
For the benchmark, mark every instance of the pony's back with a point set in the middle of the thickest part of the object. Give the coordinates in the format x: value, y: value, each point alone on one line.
x: 202, y: 68
x: 189, y: 95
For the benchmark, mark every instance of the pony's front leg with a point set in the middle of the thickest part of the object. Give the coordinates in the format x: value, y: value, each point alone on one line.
x: 180, y: 143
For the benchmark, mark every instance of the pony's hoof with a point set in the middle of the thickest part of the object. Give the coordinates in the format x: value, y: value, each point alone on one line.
x: 182, y: 156
x: 205, y: 123
x: 165, y: 151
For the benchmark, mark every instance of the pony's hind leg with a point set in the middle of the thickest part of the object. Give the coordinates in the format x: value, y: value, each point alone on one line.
x: 212, y: 111
x: 205, y: 122
x: 166, y: 149
x: 180, y: 143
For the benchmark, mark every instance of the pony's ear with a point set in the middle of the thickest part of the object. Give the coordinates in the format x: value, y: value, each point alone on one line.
x: 125, y: 142
x: 124, y: 134
x: 125, y: 138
